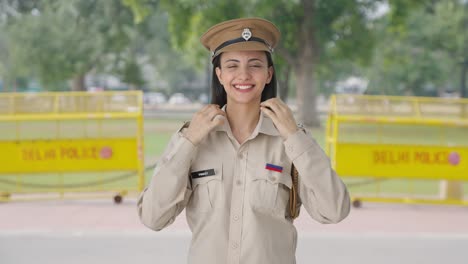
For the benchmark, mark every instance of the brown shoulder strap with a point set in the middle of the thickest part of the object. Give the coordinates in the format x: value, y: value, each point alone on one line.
x: 293, y: 194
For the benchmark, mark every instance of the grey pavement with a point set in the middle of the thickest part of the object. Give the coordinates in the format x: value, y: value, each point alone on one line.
x: 172, y: 247
x: 97, y: 231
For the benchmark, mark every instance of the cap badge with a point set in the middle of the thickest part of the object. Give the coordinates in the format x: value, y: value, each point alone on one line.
x: 246, y: 34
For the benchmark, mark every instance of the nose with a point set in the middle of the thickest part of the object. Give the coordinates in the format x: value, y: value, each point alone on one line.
x: 244, y: 73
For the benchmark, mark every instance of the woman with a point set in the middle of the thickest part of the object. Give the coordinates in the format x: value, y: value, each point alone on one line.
x: 230, y: 167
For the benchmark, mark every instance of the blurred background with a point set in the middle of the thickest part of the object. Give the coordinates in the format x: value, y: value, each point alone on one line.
x: 387, y: 74
x: 385, y: 47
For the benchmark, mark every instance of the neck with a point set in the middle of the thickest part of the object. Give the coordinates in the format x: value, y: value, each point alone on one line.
x: 242, y: 118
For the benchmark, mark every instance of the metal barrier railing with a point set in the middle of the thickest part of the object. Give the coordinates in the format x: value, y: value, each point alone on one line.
x: 400, y: 149
x: 70, y: 143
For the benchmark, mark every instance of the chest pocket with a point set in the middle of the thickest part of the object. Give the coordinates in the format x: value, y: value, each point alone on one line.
x: 207, y: 191
x: 270, y: 191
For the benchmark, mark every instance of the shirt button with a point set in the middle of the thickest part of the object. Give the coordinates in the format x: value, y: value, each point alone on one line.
x: 291, y: 148
x: 235, y: 245
x: 240, y: 155
x: 236, y: 217
x: 239, y: 182
x: 165, y: 159
x: 272, y: 178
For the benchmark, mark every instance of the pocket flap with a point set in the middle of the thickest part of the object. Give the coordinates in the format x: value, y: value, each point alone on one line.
x: 274, y: 177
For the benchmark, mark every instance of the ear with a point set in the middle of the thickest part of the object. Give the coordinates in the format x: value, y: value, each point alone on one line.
x: 270, y: 74
x: 218, y: 73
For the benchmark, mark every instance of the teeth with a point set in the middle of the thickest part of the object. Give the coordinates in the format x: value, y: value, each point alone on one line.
x: 243, y: 87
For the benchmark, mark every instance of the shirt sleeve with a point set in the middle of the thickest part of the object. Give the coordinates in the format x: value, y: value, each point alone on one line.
x: 169, y: 189
x: 323, y: 194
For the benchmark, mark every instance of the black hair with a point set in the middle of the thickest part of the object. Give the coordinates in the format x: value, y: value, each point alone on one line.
x: 218, y: 94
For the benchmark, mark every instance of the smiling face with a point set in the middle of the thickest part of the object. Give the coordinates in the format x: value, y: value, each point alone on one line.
x: 243, y: 75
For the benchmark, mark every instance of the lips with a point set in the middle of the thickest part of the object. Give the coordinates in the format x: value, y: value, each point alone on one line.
x: 244, y: 87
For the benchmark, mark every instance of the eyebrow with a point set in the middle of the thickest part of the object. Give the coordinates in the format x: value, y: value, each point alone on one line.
x: 250, y: 60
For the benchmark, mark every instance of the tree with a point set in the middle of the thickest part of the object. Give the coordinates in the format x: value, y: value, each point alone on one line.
x: 421, y: 54
x: 170, y: 65
x: 9, y: 72
x: 314, y: 32
x: 61, y: 40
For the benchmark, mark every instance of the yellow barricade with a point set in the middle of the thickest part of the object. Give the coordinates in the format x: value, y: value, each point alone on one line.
x: 70, y: 144
x: 400, y: 149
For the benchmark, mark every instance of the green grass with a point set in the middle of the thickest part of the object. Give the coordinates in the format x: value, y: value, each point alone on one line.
x: 157, y: 133
x: 403, y: 134
x: 392, y: 186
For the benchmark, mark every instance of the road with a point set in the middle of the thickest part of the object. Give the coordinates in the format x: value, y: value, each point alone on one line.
x: 97, y: 231
x: 171, y: 247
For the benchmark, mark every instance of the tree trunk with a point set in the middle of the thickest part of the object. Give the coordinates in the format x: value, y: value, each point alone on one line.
x: 464, y: 68
x: 14, y: 85
x: 304, y: 70
x: 463, y: 92
x: 78, y: 83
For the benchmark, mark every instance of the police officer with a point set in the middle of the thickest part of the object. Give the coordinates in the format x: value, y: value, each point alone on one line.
x: 230, y: 167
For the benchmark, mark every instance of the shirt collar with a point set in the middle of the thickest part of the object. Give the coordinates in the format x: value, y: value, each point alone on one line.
x: 265, y: 126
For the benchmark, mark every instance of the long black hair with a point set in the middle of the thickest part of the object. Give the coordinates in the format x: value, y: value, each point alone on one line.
x: 218, y: 94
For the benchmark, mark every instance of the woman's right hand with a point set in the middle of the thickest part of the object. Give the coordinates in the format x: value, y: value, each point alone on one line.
x: 203, y: 122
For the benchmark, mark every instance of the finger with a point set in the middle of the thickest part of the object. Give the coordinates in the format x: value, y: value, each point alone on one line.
x: 273, y: 105
x: 202, y: 111
x: 218, y: 120
x: 215, y: 112
x: 270, y: 102
x: 273, y: 100
x: 283, y: 107
x: 269, y: 113
x: 281, y: 103
x: 208, y: 107
x: 266, y: 103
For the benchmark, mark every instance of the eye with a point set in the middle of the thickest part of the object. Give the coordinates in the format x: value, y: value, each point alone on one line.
x: 231, y: 66
x: 256, y: 66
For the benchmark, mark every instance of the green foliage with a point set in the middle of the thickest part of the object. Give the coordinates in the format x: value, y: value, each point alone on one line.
x: 64, y: 39
x: 415, y: 48
x: 423, y: 58
x: 132, y: 74
x: 171, y: 66
x: 56, y: 41
x: 140, y: 8
x: 341, y: 27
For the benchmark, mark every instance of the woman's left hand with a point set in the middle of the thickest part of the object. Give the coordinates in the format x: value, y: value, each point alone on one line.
x: 281, y: 115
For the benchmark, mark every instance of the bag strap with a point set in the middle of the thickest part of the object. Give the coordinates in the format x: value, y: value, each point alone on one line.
x: 293, y: 194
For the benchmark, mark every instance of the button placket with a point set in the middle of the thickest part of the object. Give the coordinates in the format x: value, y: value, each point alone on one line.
x: 237, y: 201
x: 241, y: 161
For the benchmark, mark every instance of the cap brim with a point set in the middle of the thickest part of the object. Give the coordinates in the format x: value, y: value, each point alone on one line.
x: 244, y: 46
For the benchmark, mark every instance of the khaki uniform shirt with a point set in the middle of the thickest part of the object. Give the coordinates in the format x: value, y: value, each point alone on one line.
x: 237, y: 205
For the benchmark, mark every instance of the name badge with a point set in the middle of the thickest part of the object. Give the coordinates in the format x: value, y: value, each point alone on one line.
x: 202, y: 173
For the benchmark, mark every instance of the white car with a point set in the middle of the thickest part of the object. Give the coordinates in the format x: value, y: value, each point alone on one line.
x: 154, y: 98
x: 178, y: 98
